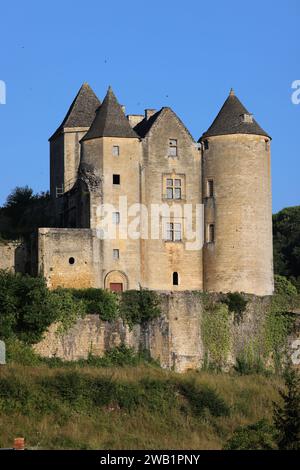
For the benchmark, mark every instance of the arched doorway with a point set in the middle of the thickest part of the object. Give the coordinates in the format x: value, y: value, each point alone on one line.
x: 116, y: 281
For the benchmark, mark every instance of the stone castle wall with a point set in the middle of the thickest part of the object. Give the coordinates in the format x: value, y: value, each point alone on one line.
x: 13, y: 256
x: 174, y: 339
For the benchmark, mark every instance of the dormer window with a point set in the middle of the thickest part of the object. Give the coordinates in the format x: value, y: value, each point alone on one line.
x: 172, y: 151
x: 247, y: 117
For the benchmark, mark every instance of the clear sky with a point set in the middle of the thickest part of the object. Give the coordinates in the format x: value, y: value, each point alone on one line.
x: 185, y: 54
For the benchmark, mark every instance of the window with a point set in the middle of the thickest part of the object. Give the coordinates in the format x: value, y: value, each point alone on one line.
x: 175, y: 279
x: 210, y: 188
x: 116, y: 150
x: 116, y: 253
x: 172, y: 148
x: 116, y: 217
x: 173, y: 232
x: 211, y: 233
x: 206, y: 145
x: 173, y: 188
x: 116, y: 179
x: 71, y: 260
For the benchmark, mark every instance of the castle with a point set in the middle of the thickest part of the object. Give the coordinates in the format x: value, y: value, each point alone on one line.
x: 218, y: 188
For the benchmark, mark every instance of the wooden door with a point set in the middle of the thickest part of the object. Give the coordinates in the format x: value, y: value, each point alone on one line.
x: 116, y: 286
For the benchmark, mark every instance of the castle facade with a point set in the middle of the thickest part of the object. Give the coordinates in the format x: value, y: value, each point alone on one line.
x: 112, y: 175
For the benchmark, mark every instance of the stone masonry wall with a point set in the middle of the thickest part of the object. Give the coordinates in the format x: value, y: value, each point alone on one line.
x: 13, y: 256
x: 174, y: 339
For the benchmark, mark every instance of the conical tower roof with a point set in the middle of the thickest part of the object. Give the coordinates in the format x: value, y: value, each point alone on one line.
x: 82, y: 110
x: 233, y: 118
x: 110, y: 120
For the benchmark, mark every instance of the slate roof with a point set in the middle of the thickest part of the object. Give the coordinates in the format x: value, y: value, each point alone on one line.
x: 229, y: 120
x: 82, y: 110
x: 110, y: 120
x: 143, y: 127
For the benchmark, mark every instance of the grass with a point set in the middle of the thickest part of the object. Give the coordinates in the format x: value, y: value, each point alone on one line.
x: 140, y: 407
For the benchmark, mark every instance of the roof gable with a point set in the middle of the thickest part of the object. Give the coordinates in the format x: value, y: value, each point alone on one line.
x: 148, y: 125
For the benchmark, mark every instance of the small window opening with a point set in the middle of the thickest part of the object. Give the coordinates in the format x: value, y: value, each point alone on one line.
x: 116, y: 150
x: 71, y: 260
x: 116, y: 253
x: 175, y: 279
x: 172, y: 152
x: 210, y: 188
x: 211, y: 233
x: 116, y: 179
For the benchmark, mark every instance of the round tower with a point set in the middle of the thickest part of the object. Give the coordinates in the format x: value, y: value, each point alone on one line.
x: 238, y: 251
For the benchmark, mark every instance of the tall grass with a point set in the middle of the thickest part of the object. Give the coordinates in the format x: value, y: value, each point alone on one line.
x: 128, y: 407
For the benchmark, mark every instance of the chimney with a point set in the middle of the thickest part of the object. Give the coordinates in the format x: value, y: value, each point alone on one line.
x: 149, y: 113
x: 135, y: 119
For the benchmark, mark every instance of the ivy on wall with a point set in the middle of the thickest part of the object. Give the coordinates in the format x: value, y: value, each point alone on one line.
x: 216, y: 335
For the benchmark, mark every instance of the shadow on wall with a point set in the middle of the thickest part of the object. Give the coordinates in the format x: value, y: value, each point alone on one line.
x: 21, y: 261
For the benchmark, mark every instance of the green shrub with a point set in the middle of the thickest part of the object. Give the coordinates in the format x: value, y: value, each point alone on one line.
x: 284, y: 287
x: 203, y: 398
x: 67, y: 308
x: 258, y: 436
x: 236, y: 304
x: 246, y: 366
x: 118, y: 356
x: 98, y: 301
x: 25, y: 307
x: 21, y: 353
x: 139, y: 306
x: 287, y: 413
x: 14, y: 394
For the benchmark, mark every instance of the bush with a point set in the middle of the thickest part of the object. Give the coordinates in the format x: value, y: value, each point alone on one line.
x: 203, y: 398
x: 67, y: 308
x: 28, y: 307
x: 258, y: 436
x: 120, y: 356
x: 236, y: 304
x: 139, y: 306
x: 98, y: 301
x: 284, y: 287
x: 21, y: 353
x: 25, y: 307
x: 287, y: 415
x: 246, y: 366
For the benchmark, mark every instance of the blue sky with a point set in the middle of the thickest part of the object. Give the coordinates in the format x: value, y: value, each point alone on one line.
x: 183, y: 54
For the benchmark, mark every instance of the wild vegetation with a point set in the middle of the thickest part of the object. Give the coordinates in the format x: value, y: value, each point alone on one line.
x: 71, y: 406
x: 28, y: 307
x: 286, y: 242
x: 23, y: 212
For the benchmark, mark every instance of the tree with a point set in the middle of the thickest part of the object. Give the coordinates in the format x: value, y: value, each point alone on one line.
x: 286, y: 242
x: 287, y: 414
x: 24, y: 211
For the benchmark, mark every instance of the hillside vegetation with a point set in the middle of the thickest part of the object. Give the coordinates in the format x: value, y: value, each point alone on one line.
x: 141, y: 407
